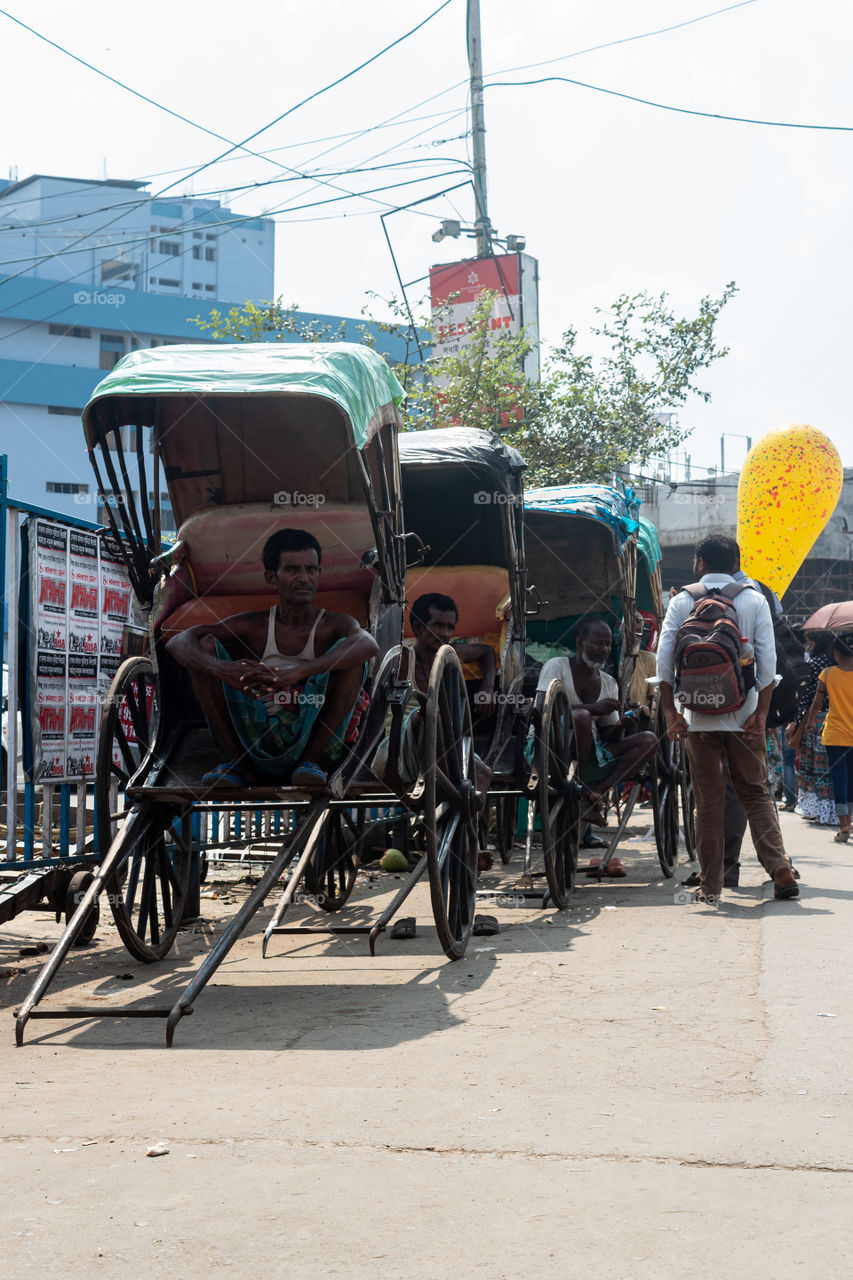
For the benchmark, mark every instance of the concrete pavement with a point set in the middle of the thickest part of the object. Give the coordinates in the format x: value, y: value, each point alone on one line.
x: 630, y: 1089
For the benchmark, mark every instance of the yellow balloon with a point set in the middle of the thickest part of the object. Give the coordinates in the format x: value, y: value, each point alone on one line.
x: 789, y: 487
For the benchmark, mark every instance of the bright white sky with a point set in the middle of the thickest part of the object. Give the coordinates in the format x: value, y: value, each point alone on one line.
x: 612, y: 196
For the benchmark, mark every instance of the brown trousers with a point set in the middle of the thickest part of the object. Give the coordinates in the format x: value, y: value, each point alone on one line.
x: 707, y: 754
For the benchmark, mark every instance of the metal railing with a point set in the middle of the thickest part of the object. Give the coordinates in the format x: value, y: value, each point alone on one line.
x: 30, y: 838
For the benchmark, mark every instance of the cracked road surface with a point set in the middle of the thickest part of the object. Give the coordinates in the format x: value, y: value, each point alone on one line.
x: 632, y: 1089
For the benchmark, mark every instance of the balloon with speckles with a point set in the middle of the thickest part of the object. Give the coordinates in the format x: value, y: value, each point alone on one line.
x: 789, y: 487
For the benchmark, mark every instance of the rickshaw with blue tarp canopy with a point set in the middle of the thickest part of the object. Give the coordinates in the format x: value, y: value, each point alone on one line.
x: 226, y: 444
x: 591, y: 554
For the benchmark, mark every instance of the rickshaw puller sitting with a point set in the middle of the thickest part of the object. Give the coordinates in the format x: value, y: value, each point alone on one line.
x: 605, y: 756
x: 285, y: 713
x: 434, y: 617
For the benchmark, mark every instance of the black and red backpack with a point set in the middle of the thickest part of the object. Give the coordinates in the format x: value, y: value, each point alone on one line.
x: 710, y: 674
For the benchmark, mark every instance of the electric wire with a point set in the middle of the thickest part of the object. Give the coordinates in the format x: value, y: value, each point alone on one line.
x: 663, y: 106
x: 237, y: 145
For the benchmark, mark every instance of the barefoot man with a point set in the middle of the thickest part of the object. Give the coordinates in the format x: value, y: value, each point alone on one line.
x: 279, y: 686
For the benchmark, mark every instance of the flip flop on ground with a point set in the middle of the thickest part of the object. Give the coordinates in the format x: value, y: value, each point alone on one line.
x: 614, y: 869
x: 404, y: 929
x: 485, y: 926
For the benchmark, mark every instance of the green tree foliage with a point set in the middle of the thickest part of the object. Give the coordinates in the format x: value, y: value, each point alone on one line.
x: 597, y: 414
x: 586, y: 417
x: 268, y: 322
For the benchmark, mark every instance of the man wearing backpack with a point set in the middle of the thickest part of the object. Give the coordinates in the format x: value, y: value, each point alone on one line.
x: 716, y: 668
x: 792, y: 672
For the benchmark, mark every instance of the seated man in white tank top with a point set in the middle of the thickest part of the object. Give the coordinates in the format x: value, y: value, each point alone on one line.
x: 282, y: 714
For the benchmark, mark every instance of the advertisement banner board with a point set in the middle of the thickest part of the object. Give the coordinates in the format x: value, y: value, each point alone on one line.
x: 80, y: 603
x: 455, y: 288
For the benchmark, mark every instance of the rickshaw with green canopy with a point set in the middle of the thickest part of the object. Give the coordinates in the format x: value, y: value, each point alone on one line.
x: 225, y: 444
x: 590, y: 554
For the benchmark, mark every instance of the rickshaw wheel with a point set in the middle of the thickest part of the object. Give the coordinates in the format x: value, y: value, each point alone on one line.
x: 148, y: 891
x: 558, y: 794
x: 77, y: 886
x: 664, y: 786
x: 331, y: 875
x: 128, y: 726
x: 450, y: 803
x: 506, y: 819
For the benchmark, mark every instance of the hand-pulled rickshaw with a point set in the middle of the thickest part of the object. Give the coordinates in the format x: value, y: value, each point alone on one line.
x: 589, y: 554
x: 463, y: 497
x: 244, y: 440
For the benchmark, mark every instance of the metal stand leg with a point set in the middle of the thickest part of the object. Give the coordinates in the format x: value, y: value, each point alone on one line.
x: 307, y: 831
x: 122, y: 842
x: 399, y: 897
x: 290, y: 888
x: 611, y: 848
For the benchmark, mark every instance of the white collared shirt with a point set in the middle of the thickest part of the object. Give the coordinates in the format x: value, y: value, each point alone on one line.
x: 756, y: 625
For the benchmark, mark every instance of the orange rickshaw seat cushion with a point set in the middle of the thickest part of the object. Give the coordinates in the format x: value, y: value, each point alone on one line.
x: 477, y: 590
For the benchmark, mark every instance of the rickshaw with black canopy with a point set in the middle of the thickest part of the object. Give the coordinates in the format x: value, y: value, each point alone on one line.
x: 464, y: 497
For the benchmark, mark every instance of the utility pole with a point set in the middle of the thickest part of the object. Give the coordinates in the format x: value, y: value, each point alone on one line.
x: 478, y: 127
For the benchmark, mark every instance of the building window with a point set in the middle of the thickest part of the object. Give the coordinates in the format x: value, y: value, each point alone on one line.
x: 64, y: 486
x: 198, y: 285
x: 170, y: 248
x: 210, y: 255
x: 170, y: 284
x: 197, y: 252
x: 197, y: 235
x: 210, y: 288
x: 167, y: 516
x: 115, y: 501
x: 112, y: 350
x: 64, y: 412
x: 69, y: 331
x: 123, y: 439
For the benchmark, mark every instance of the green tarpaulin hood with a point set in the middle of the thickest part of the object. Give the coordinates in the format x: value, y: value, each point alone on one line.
x: 354, y: 377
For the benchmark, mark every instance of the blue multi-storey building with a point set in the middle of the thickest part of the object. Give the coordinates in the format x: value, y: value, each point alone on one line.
x: 89, y: 271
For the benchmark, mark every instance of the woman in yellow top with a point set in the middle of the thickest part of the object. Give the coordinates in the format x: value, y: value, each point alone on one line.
x: 836, y: 683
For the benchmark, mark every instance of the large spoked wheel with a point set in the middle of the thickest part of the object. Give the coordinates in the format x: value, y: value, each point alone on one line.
x: 450, y: 803
x: 558, y: 794
x: 666, y: 795
x: 128, y: 726
x: 331, y: 875
x: 148, y: 890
